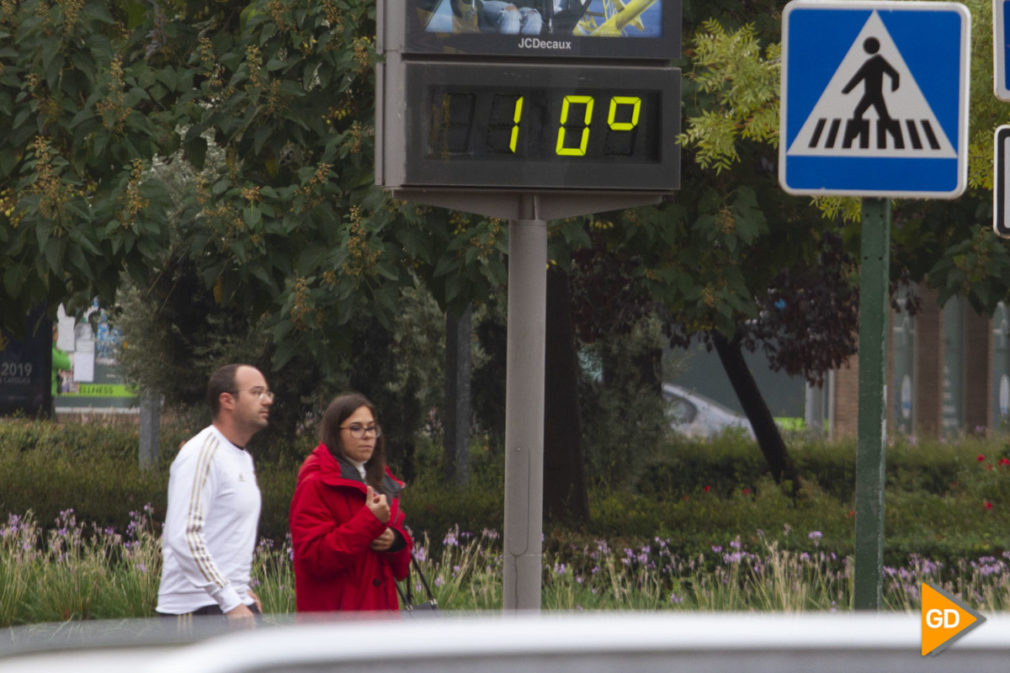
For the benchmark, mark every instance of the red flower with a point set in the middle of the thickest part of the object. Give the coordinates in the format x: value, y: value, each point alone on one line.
x: 707, y: 489
x: 1004, y: 461
x: 746, y: 491
x: 988, y: 505
x: 980, y: 457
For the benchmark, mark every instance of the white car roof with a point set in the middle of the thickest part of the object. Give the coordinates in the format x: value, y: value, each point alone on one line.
x: 661, y: 642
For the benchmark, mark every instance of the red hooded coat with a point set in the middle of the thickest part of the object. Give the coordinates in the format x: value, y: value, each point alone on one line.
x: 331, y: 530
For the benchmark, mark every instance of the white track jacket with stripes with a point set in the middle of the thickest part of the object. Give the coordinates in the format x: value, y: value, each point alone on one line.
x: 210, y: 526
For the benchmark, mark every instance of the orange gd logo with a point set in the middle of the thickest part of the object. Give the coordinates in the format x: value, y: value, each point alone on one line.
x: 945, y: 619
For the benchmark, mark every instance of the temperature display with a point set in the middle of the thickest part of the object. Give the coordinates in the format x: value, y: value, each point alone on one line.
x: 542, y: 127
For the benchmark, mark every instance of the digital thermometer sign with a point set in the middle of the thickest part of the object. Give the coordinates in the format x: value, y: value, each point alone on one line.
x: 539, y: 127
x: 528, y: 97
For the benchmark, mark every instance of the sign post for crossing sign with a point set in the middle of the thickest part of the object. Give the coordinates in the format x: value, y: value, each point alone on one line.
x: 874, y: 98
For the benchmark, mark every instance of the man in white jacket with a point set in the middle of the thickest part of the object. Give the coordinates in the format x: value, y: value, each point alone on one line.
x: 214, y: 505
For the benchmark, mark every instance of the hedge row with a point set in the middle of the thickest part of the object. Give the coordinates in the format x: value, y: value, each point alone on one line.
x: 943, y: 500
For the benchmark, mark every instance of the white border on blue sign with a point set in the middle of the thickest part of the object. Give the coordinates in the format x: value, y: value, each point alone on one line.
x: 1000, y: 174
x: 964, y: 93
x: 999, y: 51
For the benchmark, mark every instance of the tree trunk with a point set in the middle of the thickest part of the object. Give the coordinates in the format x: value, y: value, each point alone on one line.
x: 456, y: 436
x: 565, y: 492
x: 649, y: 365
x: 767, y: 433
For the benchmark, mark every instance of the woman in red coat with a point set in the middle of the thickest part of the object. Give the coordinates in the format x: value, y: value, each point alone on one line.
x: 347, y: 531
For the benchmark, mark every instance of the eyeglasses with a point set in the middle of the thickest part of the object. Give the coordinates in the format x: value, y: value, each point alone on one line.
x: 262, y: 393
x: 358, y: 430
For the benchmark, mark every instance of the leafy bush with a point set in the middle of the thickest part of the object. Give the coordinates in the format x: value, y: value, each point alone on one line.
x: 946, y: 501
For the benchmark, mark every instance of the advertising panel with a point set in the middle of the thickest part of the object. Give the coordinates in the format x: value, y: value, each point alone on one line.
x: 635, y: 29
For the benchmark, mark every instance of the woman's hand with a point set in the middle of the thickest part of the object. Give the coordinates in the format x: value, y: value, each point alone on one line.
x: 384, y: 541
x: 378, y: 504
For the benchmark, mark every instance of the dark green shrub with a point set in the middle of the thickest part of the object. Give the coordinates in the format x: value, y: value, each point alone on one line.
x: 944, y: 501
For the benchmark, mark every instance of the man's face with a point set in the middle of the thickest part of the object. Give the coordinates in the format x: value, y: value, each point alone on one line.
x: 251, y: 410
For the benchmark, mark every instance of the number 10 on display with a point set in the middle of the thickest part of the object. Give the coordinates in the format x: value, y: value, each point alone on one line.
x: 540, y: 125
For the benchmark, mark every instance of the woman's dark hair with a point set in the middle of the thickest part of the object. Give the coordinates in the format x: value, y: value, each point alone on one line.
x: 338, y: 411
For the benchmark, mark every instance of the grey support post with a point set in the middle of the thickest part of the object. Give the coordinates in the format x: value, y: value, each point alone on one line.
x: 524, y: 413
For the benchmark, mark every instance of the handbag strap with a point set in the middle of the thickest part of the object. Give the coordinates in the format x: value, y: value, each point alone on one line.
x: 408, y: 597
x: 405, y: 599
x: 424, y: 580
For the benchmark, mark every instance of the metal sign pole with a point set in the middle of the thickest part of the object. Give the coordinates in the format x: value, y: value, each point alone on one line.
x: 524, y: 413
x: 873, y: 293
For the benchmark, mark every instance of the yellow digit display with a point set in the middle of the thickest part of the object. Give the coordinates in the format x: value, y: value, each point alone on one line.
x: 636, y: 106
x: 579, y: 151
x: 539, y: 127
x: 516, y: 118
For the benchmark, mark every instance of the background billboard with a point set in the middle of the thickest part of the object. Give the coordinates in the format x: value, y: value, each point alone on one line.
x: 608, y: 29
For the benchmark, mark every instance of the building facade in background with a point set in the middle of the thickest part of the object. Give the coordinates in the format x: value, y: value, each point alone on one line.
x: 948, y: 373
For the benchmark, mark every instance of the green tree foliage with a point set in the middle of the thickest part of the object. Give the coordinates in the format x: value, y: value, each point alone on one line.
x: 220, y: 155
x: 743, y: 80
x: 81, y: 128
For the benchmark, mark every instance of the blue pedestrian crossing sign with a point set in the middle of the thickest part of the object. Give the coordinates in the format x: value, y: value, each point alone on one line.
x: 874, y: 98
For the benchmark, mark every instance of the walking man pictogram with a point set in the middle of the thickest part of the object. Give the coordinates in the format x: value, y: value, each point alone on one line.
x: 871, y: 74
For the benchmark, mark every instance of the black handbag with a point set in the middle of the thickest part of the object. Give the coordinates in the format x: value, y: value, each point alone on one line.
x: 407, y: 603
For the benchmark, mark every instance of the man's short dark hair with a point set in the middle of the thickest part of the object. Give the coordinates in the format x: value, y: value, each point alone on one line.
x: 221, y: 381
